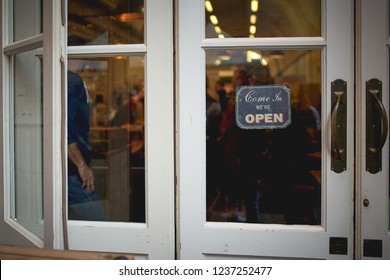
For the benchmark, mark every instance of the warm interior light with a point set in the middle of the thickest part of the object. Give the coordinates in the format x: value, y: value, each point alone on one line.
x: 127, y: 17
x: 209, y: 7
x: 221, y: 36
x: 214, y: 19
x: 224, y: 57
x: 251, y: 36
x: 126, y: 13
x: 253, y: 19
x: 252, y: 29
x: 217, y: 29
x: 253, y: 55
x: 225, y: 73
x: 254, y: 6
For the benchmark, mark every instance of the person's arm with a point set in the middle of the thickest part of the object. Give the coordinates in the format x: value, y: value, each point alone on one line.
x: 85, y: 172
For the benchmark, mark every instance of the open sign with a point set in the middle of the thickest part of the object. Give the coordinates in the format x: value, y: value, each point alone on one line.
x: 262, y: 107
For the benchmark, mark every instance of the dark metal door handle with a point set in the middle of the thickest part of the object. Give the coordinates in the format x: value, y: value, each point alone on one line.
x: 384, y: 123
x: 335, y: 139
x: 339, y: 126
x: 377, y: 126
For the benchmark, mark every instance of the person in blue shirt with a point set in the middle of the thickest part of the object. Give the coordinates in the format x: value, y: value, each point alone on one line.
x: 83, y: 202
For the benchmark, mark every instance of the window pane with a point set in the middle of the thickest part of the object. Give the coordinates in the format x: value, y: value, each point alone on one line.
x: 264, y: 175
x: 27, y: 141
x: 116, y: 156
x: 105, y: 22
x: 258, y: 18
x: 27, y: 21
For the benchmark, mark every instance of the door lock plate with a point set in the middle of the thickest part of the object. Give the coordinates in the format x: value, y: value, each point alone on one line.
x: 338, y: 245
x: 372, y: 248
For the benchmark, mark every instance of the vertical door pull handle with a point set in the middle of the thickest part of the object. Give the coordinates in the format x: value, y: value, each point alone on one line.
x: 335, y: 146
x: 339, y: 126
x: 384, y: 123
x: 377, y: 126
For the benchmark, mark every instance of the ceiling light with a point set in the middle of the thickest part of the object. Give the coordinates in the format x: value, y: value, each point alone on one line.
x: 221, y: 36
x: 252, y: 29
x: 126, y: 12
x: 253, y: 55
x: 254, y: 6
x: 127, y: 17
x: 214, y: 19
x: 217, y: 29
x: 224, y: 57
x: 209, y: 7
x: 253, y: 19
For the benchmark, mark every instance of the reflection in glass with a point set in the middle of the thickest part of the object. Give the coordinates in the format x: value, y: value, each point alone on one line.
x: 116, y: 136
x: 258, y: 18
x: 102, y: 22
x: 264, y: 175
x: 27, y: 19
x: 27, y: 141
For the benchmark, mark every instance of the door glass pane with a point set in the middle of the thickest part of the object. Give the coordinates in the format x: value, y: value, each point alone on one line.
x: 264, y: 175
x: 115, y: 119
x: 26, y: 19
x: 259, y: 18
x: 102, y: 22
x: 27, y: 141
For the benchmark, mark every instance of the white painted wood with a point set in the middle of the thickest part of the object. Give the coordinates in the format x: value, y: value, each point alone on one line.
x: 373, y: 221
x: 24, y: 45
x: 53, y: 47
x: 265, y: 43
x: 104, y: 51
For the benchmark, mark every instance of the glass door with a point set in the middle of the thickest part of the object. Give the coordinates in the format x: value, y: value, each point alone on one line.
x: 31, y: 123
x: 120, y: 121
x: 257, y: 189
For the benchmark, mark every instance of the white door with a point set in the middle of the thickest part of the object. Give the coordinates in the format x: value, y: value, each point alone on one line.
x: 373, y: 166
x: 266, y: 193
x: 123, y: 50
x: 31, y: 212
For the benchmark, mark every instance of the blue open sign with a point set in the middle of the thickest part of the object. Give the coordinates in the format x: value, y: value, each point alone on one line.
x: 262, y: 107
